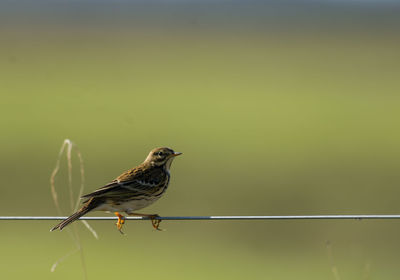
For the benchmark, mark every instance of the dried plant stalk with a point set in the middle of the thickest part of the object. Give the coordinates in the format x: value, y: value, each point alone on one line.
x: 68, y: 145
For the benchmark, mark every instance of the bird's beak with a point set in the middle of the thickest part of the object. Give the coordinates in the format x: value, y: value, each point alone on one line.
x: 175, y: 154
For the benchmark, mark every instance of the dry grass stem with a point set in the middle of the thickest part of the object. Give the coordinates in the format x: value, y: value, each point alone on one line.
x: 68, y: 146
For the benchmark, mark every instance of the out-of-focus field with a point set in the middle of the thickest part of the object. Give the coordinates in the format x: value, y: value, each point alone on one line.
x: 302, y: 119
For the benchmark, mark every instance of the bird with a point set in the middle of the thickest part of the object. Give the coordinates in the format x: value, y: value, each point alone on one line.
x: 133, y: 190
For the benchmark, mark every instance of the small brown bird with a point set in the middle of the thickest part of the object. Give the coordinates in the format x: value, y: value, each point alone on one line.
x: 132, y: 190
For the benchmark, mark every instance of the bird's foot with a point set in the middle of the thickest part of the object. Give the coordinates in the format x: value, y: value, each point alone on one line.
x: 155, y: 222
x: 120, y: 222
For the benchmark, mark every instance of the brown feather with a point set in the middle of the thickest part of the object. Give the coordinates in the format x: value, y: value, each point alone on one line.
x: 87, y: 207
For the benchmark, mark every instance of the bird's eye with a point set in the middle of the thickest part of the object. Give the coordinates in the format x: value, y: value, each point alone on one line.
x: 160, y: 153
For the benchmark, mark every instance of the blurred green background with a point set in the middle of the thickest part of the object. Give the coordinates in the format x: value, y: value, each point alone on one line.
x: 280, y: 107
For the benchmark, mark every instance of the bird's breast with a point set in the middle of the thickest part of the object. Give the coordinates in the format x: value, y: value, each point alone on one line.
x: 126, y: 206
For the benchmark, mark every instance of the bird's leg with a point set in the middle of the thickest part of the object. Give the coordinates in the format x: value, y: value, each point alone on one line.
x: 121, y: 221
x: 155, y: 222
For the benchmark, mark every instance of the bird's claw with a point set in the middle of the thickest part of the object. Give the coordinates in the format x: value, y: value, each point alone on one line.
x: 154, y: 218
x: 155, y: 222
x: 120, y: 222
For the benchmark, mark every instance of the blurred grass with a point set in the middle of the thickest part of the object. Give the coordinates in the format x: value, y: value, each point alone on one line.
x: 269, y: 123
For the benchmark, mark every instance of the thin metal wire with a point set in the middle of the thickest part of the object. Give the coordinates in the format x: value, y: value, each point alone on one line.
x: 291, y: 217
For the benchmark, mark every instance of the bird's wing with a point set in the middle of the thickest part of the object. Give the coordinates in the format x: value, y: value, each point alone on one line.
x: 135, y: 181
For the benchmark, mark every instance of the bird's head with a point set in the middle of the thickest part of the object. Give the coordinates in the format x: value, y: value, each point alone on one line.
x: 161, y: 156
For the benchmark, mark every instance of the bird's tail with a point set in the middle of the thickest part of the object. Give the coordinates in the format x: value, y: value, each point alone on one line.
x: 89, y: 206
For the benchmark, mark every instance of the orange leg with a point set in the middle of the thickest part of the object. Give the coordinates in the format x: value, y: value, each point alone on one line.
x: 153, y: 217
x: 121, y: 221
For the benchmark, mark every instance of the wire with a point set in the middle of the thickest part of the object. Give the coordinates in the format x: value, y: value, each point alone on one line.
x: 291, y: 217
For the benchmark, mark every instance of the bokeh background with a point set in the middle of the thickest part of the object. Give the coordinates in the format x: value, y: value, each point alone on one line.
x: 280, y: 107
